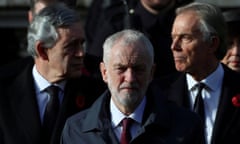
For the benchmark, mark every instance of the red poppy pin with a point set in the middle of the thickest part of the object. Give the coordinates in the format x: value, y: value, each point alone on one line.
x: 80, y: 101
x: 236, y: 100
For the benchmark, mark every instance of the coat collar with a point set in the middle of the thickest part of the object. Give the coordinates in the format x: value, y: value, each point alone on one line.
x: 155, y: 113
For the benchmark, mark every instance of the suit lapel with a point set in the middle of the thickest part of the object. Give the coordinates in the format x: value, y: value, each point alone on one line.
x: 156, y: 117
x: 225, y: 115
x: 98, y: 120
x: 25, y: 105
x: 67, y: 109
x: 178, y: 92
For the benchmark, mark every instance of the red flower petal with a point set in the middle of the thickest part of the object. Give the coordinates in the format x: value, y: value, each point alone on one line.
x: 236, y: 100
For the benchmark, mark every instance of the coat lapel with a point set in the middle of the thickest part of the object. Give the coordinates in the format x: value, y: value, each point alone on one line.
x: 25, y: 105
x: 178, y: 92
x: 227, y: 113
x: 66, y: 110
x: 98, y: 120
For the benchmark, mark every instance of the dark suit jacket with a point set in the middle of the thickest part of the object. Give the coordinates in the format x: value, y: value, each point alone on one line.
x: 163, y: 123
x: 19, y: 114
x: 227, y: 124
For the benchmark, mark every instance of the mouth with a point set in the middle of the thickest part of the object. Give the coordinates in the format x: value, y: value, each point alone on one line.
x: 179, y: 58
x: 129, y: 88
x: 235, y: 63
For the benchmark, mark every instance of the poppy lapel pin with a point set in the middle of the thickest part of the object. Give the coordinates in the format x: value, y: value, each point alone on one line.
x: 236, y: 100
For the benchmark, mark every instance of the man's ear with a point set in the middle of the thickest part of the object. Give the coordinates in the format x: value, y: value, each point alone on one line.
x: 41, y: 50
x: 103, y: 71
x: 215, y: 42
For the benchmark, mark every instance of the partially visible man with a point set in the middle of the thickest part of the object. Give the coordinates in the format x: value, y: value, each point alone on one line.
x: 55, y: 38
x: 204, y: 85
x: 232, y: 57
x: 37, y: 5
x: 127, y: 68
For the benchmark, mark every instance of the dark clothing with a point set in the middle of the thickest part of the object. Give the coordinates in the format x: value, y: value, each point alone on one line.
x: 163, y: 123
x: 10, y: 44
x: 226, y: 129
x: 106, y: 17
x: 158, y: 29
x: 19, y: 114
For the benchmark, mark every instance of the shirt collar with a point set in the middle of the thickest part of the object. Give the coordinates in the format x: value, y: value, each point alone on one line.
x: 117, y: 115
x: 41, y: 83
x: 213, y: 81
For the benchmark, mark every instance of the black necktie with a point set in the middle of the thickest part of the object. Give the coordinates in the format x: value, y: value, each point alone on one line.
x: 51, y: 111
x: 126, y: 134
x: 199, y: 103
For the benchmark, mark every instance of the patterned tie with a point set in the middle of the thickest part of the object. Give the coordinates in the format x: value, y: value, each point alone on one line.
x: 51, y: 111
x: 126, y: 135
x: 199, y: 103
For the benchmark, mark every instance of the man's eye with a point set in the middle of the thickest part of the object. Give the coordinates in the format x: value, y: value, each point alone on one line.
x: 74, y: 46
x: 186, y: 39
x: 120, y: 69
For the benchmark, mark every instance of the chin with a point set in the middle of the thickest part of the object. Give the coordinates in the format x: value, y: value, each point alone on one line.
x: 180, y: 69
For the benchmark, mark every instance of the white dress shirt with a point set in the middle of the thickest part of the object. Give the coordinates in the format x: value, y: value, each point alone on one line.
x: 42, y: 97
x: 117, y: 116
x: 210, y: 96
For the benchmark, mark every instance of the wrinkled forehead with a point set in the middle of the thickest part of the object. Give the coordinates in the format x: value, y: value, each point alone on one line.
x: 131, y: 52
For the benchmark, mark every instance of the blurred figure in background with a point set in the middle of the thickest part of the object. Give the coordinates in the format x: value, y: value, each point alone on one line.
x: 153, y: 18
x: 36, y: 6
x: 232, y: 57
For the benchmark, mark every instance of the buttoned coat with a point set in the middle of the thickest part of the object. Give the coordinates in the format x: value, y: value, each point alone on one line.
x: 163, y: 123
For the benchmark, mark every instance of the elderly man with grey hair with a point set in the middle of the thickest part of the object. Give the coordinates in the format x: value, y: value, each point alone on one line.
x: 31, y: 113
x: 132, y: 110
x: 204, y: 85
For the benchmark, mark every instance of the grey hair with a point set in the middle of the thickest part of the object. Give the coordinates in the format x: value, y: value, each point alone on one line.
x: 45, y: 24
x: 127, y: 37
x: 212, y: 23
